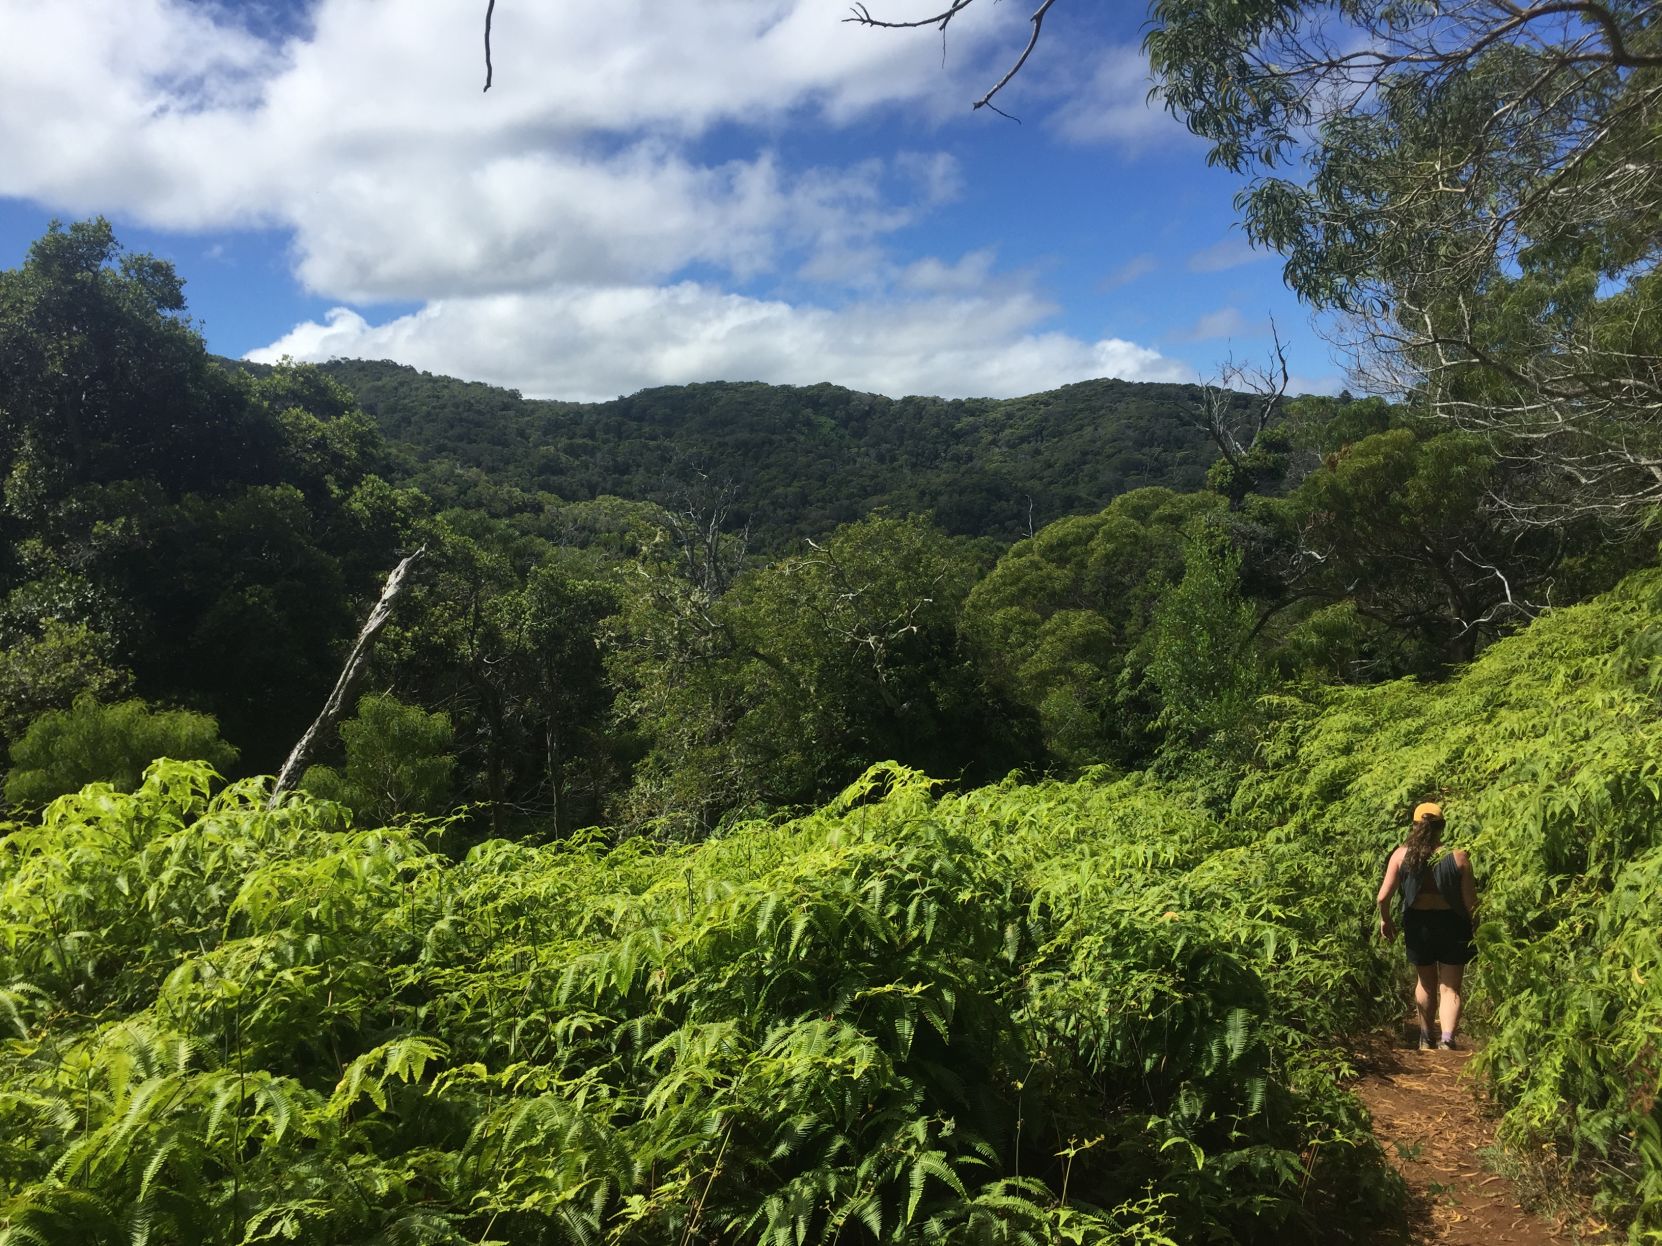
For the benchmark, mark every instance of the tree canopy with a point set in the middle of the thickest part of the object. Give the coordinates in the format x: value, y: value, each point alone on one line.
x: 1474, y: 186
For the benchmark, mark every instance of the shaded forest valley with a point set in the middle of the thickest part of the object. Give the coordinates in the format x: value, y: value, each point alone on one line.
x: 780, y: 814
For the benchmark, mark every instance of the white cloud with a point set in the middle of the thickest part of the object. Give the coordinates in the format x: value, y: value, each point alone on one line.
x: 370, y: 137
x: 1107, y: 101
x: 1229, y: 253
x: 932, y: 275
x: 522, y: 221
x: 550, y: 226
x: 594, y: 343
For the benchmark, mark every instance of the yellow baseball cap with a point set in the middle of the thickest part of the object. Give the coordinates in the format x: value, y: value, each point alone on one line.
x: 1428, y: 809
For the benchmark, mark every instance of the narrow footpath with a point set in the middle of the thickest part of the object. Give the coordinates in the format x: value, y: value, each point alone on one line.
x: 1433, y: 1130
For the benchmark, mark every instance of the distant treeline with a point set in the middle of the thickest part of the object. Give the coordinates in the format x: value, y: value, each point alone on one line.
x: 796, y: 460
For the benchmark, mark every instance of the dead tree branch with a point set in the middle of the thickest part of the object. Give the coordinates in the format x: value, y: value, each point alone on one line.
x: 355, y: 663
x: 862, y: 16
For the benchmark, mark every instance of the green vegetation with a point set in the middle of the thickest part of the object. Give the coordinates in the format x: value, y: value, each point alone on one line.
x: 64, y: 750
x: 892, y: 1020
x: 800, y: 460
x: 783, y: 687
x: 1094, y: 1012
x: 671, y: 665
x: 397, y: 762
x: 1548, y: 754
x: 1091, y: 982
x: 168, y: 527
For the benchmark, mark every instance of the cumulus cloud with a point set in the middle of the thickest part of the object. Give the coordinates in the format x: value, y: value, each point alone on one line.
x: 551, y: 227
x: 594, y: 343
x: 347, y: 131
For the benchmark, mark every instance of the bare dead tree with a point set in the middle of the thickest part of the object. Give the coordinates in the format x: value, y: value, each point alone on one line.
x: 875, y: 632
x: 1234, y: 426
x: 1573, y: 405
x: 356, y: 661
x: 709, y: 553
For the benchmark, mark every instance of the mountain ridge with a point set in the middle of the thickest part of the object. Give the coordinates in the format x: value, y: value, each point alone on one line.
x: 796, y: 461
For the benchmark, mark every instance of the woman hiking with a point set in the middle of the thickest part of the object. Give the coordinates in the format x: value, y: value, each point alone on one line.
x: 1438, y: 898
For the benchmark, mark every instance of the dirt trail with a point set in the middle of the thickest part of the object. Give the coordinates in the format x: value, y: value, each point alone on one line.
x: 1432, y: 1128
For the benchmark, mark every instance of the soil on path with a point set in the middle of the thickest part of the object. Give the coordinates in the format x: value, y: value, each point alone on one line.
x: 1433, y: 1129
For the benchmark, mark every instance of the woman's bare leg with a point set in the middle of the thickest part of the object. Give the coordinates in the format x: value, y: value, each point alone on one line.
x: 1425, y: 993
x: 1449, y: 980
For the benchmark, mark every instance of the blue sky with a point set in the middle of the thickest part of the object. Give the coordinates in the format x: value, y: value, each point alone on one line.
x: 651, y: 193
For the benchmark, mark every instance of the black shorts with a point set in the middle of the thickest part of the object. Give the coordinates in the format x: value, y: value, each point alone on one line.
x: 1437, y: 937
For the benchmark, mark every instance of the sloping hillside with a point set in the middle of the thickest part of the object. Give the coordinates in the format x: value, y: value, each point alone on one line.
x: 800, y: 460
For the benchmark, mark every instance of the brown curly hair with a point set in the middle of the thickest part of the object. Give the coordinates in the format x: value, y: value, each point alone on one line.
x: 1422, y: 842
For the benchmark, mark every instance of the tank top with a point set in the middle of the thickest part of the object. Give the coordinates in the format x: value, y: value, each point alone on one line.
x: 1445, y: 876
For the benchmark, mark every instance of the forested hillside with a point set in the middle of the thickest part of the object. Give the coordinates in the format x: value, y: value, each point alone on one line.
x: 797, y: 461
x: 189, y: 550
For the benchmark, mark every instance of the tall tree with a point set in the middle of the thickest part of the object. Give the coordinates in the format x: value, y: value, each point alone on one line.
x: 398, y: 763
x: 502, y: 633
x: 1479, y: 195
x: 1198, y: 653
x: 1055, y: 623
x: 103, y: 379
x: 204, y: 531
x: 802, y: 674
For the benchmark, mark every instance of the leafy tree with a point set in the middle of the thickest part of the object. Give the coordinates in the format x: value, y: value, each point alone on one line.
x: 551, y: 662
x: 102, y: 379
x: 1055, y: 622
x: 328, y: 443
x: 252, y: 617
x: 1405, y: 525
x: 397, y: 762
x: 803, y: 674
x: 1198, y: 652
x: 91, y: 742
x: 446, y: 644
x: 217, y: 532
x: 1481, y: 197
x: 48, y: 670
x: 852, y: 656
x: 502, y: 631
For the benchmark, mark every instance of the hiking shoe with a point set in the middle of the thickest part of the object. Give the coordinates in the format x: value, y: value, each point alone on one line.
x: 1425, y: 1042
x: 1446, y: 1044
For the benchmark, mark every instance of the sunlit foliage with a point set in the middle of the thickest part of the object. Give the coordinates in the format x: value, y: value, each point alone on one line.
x: 1023, y: 1015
